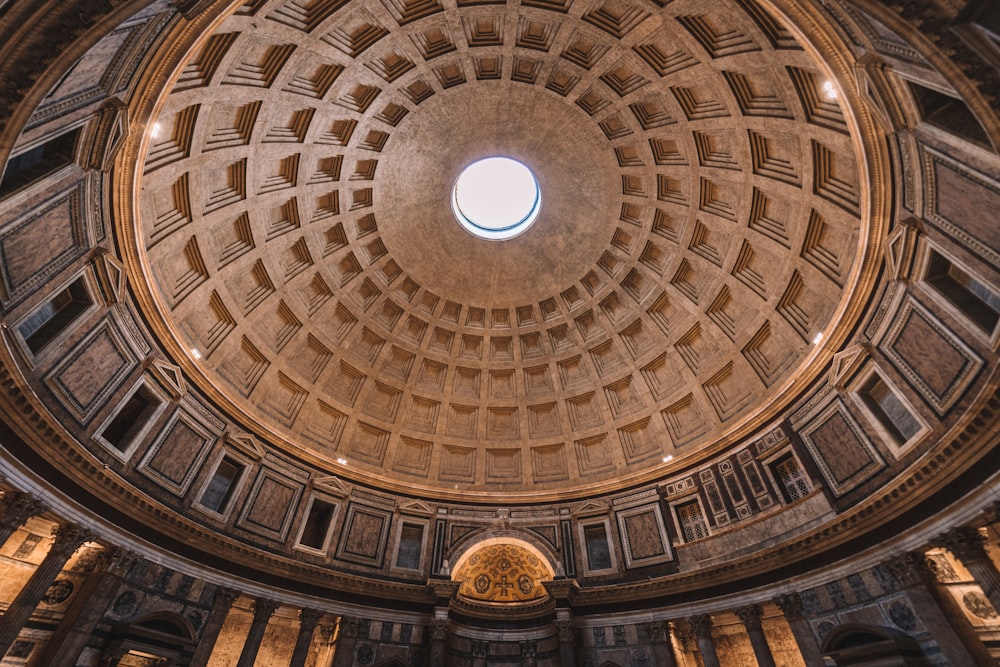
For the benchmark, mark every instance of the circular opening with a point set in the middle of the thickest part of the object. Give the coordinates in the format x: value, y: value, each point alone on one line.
x: 496, y: 198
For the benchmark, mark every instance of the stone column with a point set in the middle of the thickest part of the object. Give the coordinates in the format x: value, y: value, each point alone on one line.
x: 663, y: 647
x: 439, y: 642
x: 751, y: 615
x: 16, y: 507
x: 958, y: 645
x: 262, y: 611
x: 221, y: 603
x: 702, y: 626
x: 87, y: 608
x: 562, y: 589
x: 969, y: 546
x: 790, y: 605
x: 566, y: 632
x: 69, y: 537
x: 308, y: 618
x: 529, y: 654
x: 480, y: 651
x: 347, y: 641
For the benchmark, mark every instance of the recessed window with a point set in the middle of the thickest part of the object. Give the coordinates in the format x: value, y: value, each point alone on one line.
x: 966, y: 292
x: 598, y: 549
x: 55, y: 316
x: 793, y: 481
x: 949, y: 113
x: 411, y: 541
x: 220, y: 488
x: 39, y: 162
x: 317, y: 525
x: 132, y: 418
x: 693, y: 526
x: 496, y: 198
x: 889, y: 409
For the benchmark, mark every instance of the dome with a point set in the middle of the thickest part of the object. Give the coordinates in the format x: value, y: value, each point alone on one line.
x: 692, y: 250
x: 721, y: 390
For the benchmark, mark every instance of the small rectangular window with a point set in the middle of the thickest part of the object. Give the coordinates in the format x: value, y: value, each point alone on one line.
x: 317, y: 524
x: 966, y: 292
x: 949, y: 113
x: 693, y: 525
x: 598, y: 549
x: 220, y: 488
x: 55, y: 316
x: 39, y: 162
x: 889, y: 409
x: 792, y: 480
x: 411, y: 542
x: 131, y: 418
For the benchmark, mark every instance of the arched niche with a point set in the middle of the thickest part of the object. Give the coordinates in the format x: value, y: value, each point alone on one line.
x: 858, y: 645
x: 502, y: 569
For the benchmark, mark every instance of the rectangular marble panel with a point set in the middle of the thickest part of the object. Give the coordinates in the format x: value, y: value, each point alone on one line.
x: 644, y: 536
x: 177, y: 454
x: 271, y: 505
x: 42, y: 243
x: 935, y: 361
x: 840, y: 447
x: 93, y: 370
x: 364, y: 535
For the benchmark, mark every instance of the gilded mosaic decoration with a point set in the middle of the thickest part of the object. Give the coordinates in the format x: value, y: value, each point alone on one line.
x: 502, y: 573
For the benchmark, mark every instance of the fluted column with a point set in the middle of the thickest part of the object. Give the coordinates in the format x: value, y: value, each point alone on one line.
x: 16, y: 507
x: 663, y: 647
x: 69, y: 537
x: 87, y: 608
x: 790, y: 605
x: 308, y: 618
x: 969, y: 546
x: 439, y: 642
x: 221, y: 604
x: 566, y: 632
x: 702, y: 626
x: 529, y: 654
x: 959, y: 646
x: 262, y: 611
x: 752, y: 616
x: 480, y: 651
x: 347, y: 642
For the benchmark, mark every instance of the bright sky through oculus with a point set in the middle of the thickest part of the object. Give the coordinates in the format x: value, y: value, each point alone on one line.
x: 496, y: 198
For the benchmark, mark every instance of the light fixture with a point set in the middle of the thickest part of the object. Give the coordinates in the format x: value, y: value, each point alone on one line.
x: 829, y: 90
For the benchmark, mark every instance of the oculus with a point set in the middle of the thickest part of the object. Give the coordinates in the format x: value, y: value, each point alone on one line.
x: 496, y: 198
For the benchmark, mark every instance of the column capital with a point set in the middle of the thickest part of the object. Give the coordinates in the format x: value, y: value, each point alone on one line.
x: 480, y: 648
x: 224, y: 597
x: 790, y: 605
x: 68, y: 538
x: 566, y: 631
x: 529, y: 649
x: 440, y: 629
x: 701, y: 625
x: 751, y: 616
x: 116, y: 560
x: 308, y: 618
x: 966, y: 544
x: 16, y: 507
x: 658, y: 631
x: 263, y: 608
x: 910, y: 568
x: 349, y: 626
